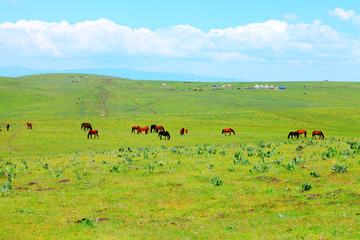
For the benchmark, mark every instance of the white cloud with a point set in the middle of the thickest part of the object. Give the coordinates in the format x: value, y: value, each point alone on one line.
x: 269, y: 41
x: 344, y: 15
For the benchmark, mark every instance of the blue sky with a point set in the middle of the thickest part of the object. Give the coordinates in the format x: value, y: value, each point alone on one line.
x: 254, y: 40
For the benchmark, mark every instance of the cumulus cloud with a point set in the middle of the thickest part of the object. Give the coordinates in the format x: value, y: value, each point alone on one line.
x: 268, y: 41
x: 344, y: 15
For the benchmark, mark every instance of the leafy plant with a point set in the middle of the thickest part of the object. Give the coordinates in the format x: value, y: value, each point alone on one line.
x: 314, y: 174
x: 306, y: 186
x: 217, y: 181
x: 340, y: 168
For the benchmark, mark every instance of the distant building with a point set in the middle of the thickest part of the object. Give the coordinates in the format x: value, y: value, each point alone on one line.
x: 256, y: 86
x: 271, y: 87
x: 261, y: 86
x: 266, y: 86
x: 229, y: 85
x: 164, y: 84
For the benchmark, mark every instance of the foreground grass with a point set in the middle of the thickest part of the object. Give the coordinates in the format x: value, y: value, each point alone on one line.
x: 205, y: 191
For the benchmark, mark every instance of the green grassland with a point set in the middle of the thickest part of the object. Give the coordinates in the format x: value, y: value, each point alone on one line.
x: 202, y: 185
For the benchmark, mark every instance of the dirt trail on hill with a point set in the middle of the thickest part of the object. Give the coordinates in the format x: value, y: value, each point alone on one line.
x: 103, y: 108
x: 145, y: 105
x: 10, y: 140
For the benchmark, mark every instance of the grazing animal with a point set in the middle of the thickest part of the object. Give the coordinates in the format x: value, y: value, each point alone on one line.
x: 146, y: 129
x: 7, y: 127
x: 93, y: 132
x: 29, y: 125
x: 302, y: 132
x: 318, y: 133
x: 86, y: 126
x: 159, y: 128
x: 293, y: 134
x: 228, y: 130
x: 152, y: 127
x: 166, y: 134
x: 134, y: 128
x: 183, y: 130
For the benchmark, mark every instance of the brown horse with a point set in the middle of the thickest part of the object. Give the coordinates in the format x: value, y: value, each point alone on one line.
x: 164, y: 134
x: 159, y: 128
x: 86, y: 126
x: 318, y: 133
x: 146, y: 129
x: 134, y: 128
x: 29, y: 125
x: 7, y: 127
x: 228, y: 130
x: 183, y: 130
x: 93, y: 132
x: 300, y: 132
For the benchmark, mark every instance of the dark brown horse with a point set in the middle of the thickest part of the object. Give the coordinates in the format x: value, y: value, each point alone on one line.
x: 166, y: 134
x: 146, y: 129
x: 86, y: 126
x: 152, y: 127
x: 293, y: 134
x: 29, y: 125
x: 93, y: 132
x: 7, y: 127
x: 318, y: 133
x: 302, y: 132
x: 134, y: 128
x: 228, y: 130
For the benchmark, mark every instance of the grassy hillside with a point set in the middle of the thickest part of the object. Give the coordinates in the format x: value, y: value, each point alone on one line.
x: 56, y: 183
x: 57, y: 104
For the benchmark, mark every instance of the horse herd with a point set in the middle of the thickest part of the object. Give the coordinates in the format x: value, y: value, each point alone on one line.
x: 298, y: 133
x: 160, y: 130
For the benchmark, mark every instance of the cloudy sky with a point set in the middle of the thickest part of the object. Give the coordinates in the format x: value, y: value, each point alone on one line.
x: 256, y: 40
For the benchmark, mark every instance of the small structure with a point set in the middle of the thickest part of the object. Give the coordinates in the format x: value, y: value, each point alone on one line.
x: 164, y: 84
x: 266, y: 86
x: 261, y: 86
x: 256, y: 86
x: 223, y: 86
x: 229, y: 85
x: 214, y: 86
x: 271, y: 87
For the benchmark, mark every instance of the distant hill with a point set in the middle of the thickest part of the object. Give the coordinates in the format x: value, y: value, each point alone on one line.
x: 120, y: 72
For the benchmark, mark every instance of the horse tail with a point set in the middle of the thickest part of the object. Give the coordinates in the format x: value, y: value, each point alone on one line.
x: 322, y: 135
x: 305, y: 133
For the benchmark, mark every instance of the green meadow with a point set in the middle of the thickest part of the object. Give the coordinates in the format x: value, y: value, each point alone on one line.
x: 57, y: 184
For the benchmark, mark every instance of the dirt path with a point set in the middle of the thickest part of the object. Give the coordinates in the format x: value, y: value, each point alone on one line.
x: 10, y: 140
x: 145, y: 105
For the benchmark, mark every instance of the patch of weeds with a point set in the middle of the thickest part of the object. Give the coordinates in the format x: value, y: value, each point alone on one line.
x: 299, y: 148
x: 6, y: 187
x: 78, y: 176
x: 297, y: 160
x: 216, y: 181
x: 306, y: 186
x: 314, y: 174
x: 211, y: 166
x: 88, y: 222
x: 115, y: 169
x: 232, y: 169
x: 261, y: 167
x: 212, y: 151
x: 339, y: 168
x: 151, y: 167
x: 289, y: 166
x: 278, y: 161
x: 46, y: 166
x: 222, y: 153
x: 330, y: 153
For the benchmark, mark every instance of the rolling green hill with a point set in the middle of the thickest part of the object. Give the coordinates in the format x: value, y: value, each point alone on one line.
x: 57, y: 104
x: 57, y: 184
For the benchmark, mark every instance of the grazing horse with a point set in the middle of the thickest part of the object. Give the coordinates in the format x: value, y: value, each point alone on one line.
x: 165, y: 134
x: 293, y: 134
x: 134, y: 128
x: 318, y: 133
x: 228, y: 130
x: 93, y: 132
x: 7, y: 127
x: 302, y: 132
x: 29, y: 125
x: 86, y: 126
x: 152, y: 127
x: 183, y: 130
x: 146, y: 129
x: 159, y: 128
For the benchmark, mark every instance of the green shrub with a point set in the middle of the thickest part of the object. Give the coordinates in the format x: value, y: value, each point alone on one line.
x: 340, y: 168
x: 306, y: 186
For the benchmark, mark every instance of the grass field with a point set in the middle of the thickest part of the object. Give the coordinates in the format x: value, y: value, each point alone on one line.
x: 56, y: 183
